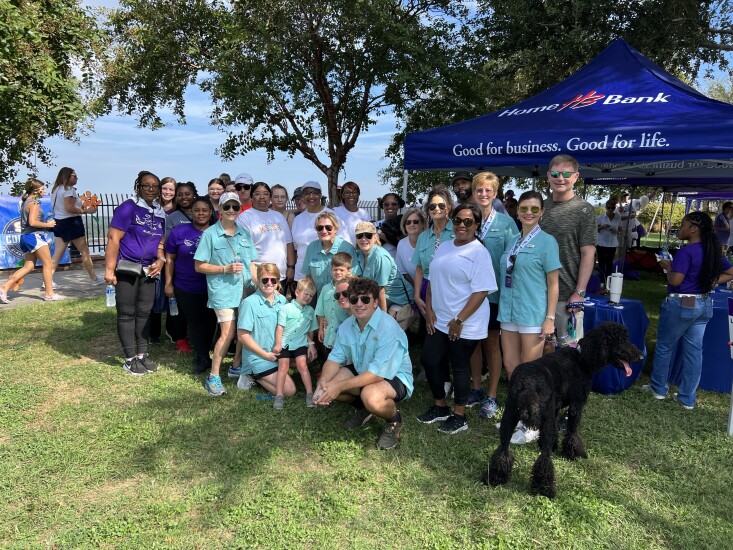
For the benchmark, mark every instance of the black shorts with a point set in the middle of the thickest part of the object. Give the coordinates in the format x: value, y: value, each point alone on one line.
x: 397, y: 385
x: 69, y: 229
x: 264, y: 373
x: 292, y: 354
x: 494, y: 323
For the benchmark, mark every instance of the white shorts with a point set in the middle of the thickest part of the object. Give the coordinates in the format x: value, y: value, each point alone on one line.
x: 521, y: 329
x: 226, y: 314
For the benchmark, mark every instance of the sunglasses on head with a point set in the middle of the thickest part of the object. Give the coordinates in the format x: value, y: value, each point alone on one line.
x: 412, y: 222
x: 557, y: 174
x: 435, y: 206
x: 338, y: 295
x: 320, y: 228
x: 467, y: 222
x: 271, y: 280
x: 533, y: 209
x: 229, y: 206
x: 365, y: 299
x: 360, y: 236
x: 243, y: 186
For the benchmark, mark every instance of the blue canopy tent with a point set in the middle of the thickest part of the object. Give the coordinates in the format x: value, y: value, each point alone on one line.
x: 621, y: 116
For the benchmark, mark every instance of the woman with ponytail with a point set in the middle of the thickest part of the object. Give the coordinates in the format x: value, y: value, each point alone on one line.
x: 696, y: 270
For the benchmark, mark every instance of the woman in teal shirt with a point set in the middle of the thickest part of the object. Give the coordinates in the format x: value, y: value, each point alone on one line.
x: 317, y: 261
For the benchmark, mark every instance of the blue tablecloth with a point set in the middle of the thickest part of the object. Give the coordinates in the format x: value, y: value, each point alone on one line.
x: 611, y: 380
x: 717, y: 365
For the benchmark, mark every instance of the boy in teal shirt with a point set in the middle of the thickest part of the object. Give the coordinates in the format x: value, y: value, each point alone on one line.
x: 328, y: 311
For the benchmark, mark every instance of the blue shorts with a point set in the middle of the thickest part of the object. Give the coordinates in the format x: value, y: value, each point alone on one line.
x: 32, y: 242
x: 69, y: 229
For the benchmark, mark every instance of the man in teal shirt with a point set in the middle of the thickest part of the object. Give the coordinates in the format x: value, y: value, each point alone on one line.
x: 369, y: 365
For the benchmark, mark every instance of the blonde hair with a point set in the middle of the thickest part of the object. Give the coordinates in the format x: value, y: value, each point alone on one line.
x: 331, y: 216
x: 306, y: 284
x: 268, y: 269
x: 487, y: 178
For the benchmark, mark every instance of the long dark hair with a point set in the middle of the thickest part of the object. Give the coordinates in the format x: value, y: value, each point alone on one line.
x: 712, y: 252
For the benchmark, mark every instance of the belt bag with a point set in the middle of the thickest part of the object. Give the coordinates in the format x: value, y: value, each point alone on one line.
x: 126, y: 267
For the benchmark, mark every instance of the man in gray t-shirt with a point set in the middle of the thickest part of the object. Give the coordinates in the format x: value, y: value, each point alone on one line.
x: 572, y: 221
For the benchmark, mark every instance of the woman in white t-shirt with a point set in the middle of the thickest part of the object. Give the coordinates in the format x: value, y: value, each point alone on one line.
x: 349, y: 213
x: 457, y: 316
x: 304, y: 227
x: 67, y: 211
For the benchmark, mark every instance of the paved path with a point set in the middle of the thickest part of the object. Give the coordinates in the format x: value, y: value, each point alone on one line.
x: 73, y: 282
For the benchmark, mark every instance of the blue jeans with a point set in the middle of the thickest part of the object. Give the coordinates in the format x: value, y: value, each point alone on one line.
x: 687, y: 324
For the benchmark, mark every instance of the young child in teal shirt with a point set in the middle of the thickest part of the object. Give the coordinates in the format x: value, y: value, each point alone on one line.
x: 296, y: 326
x: 329, y: 313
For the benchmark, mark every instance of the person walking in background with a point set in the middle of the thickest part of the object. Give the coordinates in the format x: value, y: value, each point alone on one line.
x: 69, y: 228
x: 33, y: 242
x: 609, y: 226
x: 133, y: 260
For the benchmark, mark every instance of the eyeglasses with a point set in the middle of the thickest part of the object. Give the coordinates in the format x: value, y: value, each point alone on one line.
x: 467, y: 222
x: 360, y: 236
x: 365, y: 299
x: 435, y: 206
x: 557, y: 174
x: 261, y: 195
x: 243, y: 186
x: 390, y: 204
x: 228, y: 206
x: 311, y: 193
x: 320, y: 228
x: 271, y: 280
x: 484, y: 190
x: 150, y: 187
x: 339, y: 295
x: 413, y: 222
x: 533, y: 209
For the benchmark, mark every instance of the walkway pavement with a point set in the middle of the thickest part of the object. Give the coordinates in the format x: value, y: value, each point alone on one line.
x: 73, y: 282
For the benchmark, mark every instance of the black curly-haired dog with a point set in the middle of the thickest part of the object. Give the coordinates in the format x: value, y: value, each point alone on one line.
x: 539, y: 389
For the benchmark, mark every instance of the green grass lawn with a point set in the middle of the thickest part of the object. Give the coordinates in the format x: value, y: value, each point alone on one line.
x: 90, y: 457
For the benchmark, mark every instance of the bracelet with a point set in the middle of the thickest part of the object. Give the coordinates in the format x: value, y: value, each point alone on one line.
x: 290, y: 266
x: 311, y: 343
x: 550, y: 317
x: 162, y: 259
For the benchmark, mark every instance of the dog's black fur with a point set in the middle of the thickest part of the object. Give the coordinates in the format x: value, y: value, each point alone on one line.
x: 539, y: 389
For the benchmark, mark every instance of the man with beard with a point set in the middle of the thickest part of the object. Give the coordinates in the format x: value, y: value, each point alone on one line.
x: 461, y: 183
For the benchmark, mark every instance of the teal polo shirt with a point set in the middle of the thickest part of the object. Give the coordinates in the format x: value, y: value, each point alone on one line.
x: 380, y: 349
x: 425, y: 247
x: 317, y: 262
x: 328, y: 307
x: 498, y: 237
x: 259, y: 317
x: 525, y: 303
x: 381, y: 268
x: 297, y: 321
x: 216, y: 247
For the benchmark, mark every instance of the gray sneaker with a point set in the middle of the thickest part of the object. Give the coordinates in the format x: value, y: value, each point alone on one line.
x: 648, y: 389
x: 279, y: 403
x: 245, y: 382
x: 390, y: 436
x: 309, y: 400
x: 134, y: 367
x: 358, y: 419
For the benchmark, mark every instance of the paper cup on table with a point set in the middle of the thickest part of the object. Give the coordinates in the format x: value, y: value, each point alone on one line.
x: 615, y: 284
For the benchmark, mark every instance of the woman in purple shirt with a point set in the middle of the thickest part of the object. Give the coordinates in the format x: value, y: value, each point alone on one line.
x: 189, y: 286
x: 136, y: 234
x: 696, y: 270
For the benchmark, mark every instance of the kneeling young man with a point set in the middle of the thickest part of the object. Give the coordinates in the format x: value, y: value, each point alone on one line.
x: 369, y: 365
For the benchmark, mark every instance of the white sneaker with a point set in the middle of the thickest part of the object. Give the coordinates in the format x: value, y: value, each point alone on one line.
x: 98, y: 280
x: 54, y: 298
x: 245, y: 382
x: 55, y: 286
x: 648, y: 389
x: 524, y: 435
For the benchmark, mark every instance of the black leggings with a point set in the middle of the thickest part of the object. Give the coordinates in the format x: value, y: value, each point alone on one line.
x: 605, y: 261
x: 436, y: 349
x: 201, y: 322
x: 134, y: 296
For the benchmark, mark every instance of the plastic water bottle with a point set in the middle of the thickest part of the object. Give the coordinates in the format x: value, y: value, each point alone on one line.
x: 172, y: 306
x: 111, y: 297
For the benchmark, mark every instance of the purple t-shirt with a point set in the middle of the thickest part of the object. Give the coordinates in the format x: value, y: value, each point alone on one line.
x: 183, y: 242
x: 688, y: 261
x: 143, y: 227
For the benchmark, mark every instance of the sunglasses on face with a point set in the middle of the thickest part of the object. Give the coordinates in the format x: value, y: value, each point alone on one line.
x: 557, y: 174
x: 533, y: 209
x: 271, y: 280
x: 227, y: 207
x: 360, y: 236
x: 339, y: 295
x: 243, y: 186
x: 434, y: 206
x: 363, y: 298
x: 412, y: 222
x: 320, y: 228
x: 467, y: 222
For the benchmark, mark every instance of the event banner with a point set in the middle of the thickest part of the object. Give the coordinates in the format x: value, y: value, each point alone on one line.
x: 10, y: 254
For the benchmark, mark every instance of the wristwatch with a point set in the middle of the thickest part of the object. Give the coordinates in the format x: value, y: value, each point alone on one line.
x: 457, y: 321
x: 580, y: 293
x: 550, y: 317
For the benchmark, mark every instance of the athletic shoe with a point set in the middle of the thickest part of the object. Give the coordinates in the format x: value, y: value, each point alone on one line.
x: 147, y: 363
x: 434, y: 414
x: 54, y: 298
x: 475, y: 397
x: 214, y: 386
x: 358, y: 419
x: 245, y: 382
x: 309, y: 400
x: 54, y: 286
x: 453, y: 425
x: 279, y: 403
x: 134, y: 367
x: 182, y: 346
x: 688, y: 407
x: 98, y: 280
x: 488, y: 407
x: 647, y: 388
x: 167, y: 335
x: 524, y: 435
x: 234, y: 372
x: 390, y: 436
x: 4, y: 298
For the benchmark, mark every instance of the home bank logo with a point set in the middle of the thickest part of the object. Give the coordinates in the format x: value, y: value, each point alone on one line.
x: 586, y: 100
x: 10, y: 238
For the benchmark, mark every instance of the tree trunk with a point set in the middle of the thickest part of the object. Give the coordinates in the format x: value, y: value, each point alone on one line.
x: 332, y: 176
